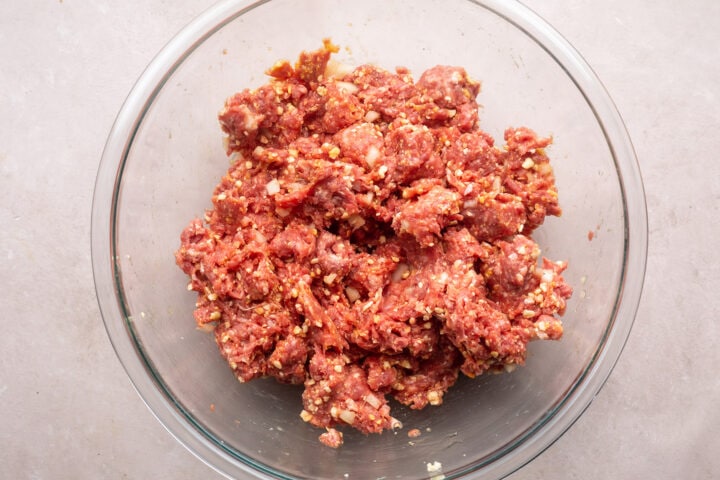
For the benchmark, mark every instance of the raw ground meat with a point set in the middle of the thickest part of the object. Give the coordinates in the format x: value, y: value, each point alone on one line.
x: 371, y: 241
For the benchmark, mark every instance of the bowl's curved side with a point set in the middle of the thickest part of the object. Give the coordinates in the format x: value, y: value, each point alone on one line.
x: 103, y: 252
x: 630, y: 287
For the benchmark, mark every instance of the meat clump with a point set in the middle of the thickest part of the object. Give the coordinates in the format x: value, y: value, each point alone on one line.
x: 370, y: 241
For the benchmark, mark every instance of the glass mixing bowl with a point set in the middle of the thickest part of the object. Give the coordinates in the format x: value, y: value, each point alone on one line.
x: 164, y: 156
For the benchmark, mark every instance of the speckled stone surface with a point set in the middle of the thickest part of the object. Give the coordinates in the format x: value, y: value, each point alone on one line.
x: 69, y: 411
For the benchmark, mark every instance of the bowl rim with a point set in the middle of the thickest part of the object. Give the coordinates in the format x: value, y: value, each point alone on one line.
x: 171, y: 414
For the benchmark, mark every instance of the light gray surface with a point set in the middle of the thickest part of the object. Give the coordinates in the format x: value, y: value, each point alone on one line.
x: 67, y: 407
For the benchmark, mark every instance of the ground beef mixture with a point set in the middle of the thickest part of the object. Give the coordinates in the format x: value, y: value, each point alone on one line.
x: 370, y: 241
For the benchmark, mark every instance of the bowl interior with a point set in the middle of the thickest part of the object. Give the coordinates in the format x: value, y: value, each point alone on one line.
x: 176, y: 157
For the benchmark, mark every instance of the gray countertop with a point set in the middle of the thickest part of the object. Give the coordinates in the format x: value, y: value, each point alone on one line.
x: 69, y: 410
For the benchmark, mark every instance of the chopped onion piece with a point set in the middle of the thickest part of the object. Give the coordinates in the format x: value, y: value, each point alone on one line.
x: 372, y: 400
x: 336, y: 69
x: 395, y: 423
x: 372, y: 155
x: 347, y: 86
x: 347, y: 416
x: 356, y: 221
x: 273, y: 187
x: 371, y: 116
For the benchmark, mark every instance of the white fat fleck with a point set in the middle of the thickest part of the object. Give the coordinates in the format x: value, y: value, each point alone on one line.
x: 435, y: 469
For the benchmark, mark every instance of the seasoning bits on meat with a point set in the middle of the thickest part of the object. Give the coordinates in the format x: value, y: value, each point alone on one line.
x: 370, y: 241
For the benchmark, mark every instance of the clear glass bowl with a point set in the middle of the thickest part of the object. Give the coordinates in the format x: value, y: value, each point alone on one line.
x: 164, y: 155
